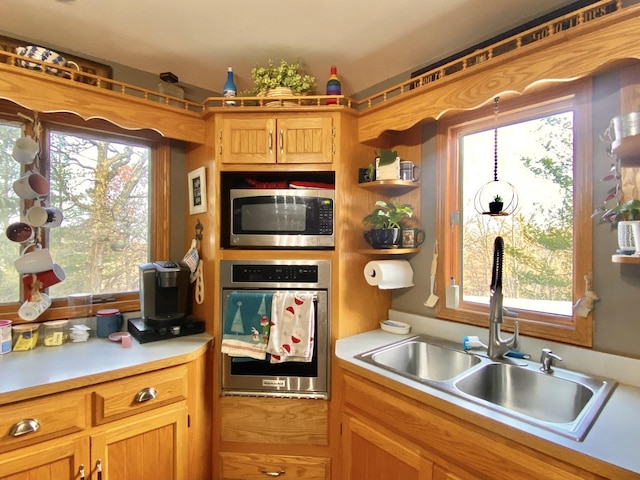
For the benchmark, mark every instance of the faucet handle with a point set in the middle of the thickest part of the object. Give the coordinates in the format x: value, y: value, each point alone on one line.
x: 546, y: 359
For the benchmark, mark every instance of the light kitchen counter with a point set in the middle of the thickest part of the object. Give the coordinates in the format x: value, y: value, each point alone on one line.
x: 613, y: 438
x: 47, y: 370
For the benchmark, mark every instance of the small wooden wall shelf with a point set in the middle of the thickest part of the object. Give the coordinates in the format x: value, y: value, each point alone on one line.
x: 629, y: 259
x: 388, y: 251
x: 392, y: 188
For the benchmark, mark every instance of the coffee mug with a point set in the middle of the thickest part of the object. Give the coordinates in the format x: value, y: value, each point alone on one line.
x: 46, y: 217
x: 32, y: 309
x: 409, y: 171
x: 31, y: 186
x: 108, y: 321
x: 46, y: 279
x: 20, y: 232
x: 25, y: 150
x: 38, y: 260
x: 412, y: 237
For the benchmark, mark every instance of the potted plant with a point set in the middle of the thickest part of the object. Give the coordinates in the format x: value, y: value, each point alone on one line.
x: 289, y: 76
x: 627, y: 217
x: 387, y: 220
x: 495, y: 207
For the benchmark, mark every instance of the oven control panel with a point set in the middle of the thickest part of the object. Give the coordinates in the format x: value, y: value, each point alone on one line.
x: 275, y: 273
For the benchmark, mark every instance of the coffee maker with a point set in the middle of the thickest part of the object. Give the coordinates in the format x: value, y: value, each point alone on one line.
x: 164, y: 303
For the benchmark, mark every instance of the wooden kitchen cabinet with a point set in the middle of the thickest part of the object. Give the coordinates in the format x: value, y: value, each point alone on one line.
x: 150, y: 446
x: 268, y: 139
x: 372, y: 452
x: 63, y: 459
x: 393, y: 431
x: 268, y: 437
x: 132, y: 428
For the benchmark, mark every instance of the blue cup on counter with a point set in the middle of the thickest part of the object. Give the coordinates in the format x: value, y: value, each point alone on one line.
x: 108, y: 321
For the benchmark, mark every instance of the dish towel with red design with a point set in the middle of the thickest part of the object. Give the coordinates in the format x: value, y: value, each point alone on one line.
x: 246, y: 325
x: 292, y: 327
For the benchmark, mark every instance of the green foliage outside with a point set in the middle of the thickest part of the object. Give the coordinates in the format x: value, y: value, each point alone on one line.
x: 538, y: 238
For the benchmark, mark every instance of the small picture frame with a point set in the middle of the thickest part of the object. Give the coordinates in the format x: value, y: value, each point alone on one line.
x: 198, y: 191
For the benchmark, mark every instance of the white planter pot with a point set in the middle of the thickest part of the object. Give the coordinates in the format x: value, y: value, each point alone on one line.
x: 629, y: 237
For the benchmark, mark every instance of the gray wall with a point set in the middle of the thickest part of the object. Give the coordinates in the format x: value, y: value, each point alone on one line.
x: 616, y: 320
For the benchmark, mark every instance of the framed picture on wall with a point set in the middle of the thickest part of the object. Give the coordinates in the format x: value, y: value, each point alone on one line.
x: 198, y: 191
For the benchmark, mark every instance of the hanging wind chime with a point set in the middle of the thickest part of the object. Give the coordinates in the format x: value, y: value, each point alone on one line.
x: 497, y: 197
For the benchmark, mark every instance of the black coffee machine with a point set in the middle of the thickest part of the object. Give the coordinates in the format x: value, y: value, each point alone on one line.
x: 164, y: 303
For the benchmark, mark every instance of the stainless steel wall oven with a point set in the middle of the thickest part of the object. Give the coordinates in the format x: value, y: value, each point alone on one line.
x: 249, y: 376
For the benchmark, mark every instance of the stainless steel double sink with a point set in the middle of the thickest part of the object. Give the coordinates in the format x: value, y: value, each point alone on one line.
x: 563, y: 402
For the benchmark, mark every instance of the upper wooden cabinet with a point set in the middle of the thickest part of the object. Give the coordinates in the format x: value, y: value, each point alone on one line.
x: 265, y: 139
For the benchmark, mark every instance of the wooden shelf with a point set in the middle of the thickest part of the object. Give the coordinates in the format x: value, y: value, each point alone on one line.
x: 388, y: 251
x: 390, y: 187
x: 630, y: 259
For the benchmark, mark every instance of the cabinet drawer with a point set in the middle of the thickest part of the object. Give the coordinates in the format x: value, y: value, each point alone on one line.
x: 241, y: 466
x: 129, y: 396
x: 43, y: 418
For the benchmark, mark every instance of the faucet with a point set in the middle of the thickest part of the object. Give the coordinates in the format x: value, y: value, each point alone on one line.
x: 497, y: 346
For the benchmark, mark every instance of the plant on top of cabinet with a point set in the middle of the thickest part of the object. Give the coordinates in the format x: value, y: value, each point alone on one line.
x: 387, y: 220
x: 286, y: 75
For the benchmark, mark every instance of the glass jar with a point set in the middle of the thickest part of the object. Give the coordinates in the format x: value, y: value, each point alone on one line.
x: 25, y: 337
x: 55, y: 333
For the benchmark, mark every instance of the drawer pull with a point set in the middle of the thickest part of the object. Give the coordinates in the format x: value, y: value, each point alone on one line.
x: 82, y: 472
x: 146, y: 394
x: 28, y: 425
x: 272, y: 474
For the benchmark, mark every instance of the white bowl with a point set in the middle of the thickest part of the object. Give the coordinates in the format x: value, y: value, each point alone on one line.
x: 42, y: 54
x: 393, y: 326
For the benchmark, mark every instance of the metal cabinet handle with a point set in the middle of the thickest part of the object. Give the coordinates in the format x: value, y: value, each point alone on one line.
x: 99, y: 468
x: 145, y: 395
x: 272, y: 474
x: 281, y: 141
x: 81, y: 472
x: 270, y: 141
x: 28, y: 425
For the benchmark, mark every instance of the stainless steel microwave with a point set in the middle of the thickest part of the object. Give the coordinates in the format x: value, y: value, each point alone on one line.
x: 282, y: 218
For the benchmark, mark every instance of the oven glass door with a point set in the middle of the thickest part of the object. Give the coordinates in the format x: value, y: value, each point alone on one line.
x: 248, y: 376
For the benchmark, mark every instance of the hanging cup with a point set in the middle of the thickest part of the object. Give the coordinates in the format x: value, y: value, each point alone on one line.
x: 25, y: 150
x: 20, y: 232
x: 31, y: 186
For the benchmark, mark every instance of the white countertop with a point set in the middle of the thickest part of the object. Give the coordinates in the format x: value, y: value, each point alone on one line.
x: 613, y: 437
x: 72, y: 361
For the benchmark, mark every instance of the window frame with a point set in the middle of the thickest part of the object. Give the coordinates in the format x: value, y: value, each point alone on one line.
x: 159, y: 196
x: 575, y: 329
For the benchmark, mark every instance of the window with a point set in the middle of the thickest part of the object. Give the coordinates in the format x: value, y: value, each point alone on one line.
x: 544, y: 143
x: 102, y: 182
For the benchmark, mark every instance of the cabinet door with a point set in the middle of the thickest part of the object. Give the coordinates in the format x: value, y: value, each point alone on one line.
x: 374, y: 453
x: 248, y: 140
x: 305, y: 139
x: 151, y: 446
x: 62, y: 459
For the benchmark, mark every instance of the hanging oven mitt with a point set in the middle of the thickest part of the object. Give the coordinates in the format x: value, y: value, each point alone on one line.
x: 192, y: 259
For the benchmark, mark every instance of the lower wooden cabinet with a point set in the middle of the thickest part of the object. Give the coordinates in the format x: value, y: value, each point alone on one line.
x: 263, y: 437
x: 250, y: 466
x: 152, y: 446
x: 134, y: 428
x: 61, y: 459
x: 386, y: 435
x: 377, y: 454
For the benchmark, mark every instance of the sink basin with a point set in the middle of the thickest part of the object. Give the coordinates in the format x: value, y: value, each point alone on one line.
x: 563, y: 402
x: 537, y: 395
x: 566, y: 402
x: 425, y: 360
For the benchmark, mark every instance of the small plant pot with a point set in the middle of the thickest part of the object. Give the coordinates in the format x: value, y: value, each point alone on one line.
x: 495, y: 207
x: 384, y: 237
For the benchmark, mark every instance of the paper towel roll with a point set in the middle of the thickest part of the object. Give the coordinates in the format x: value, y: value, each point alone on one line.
x: 388, y: 274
